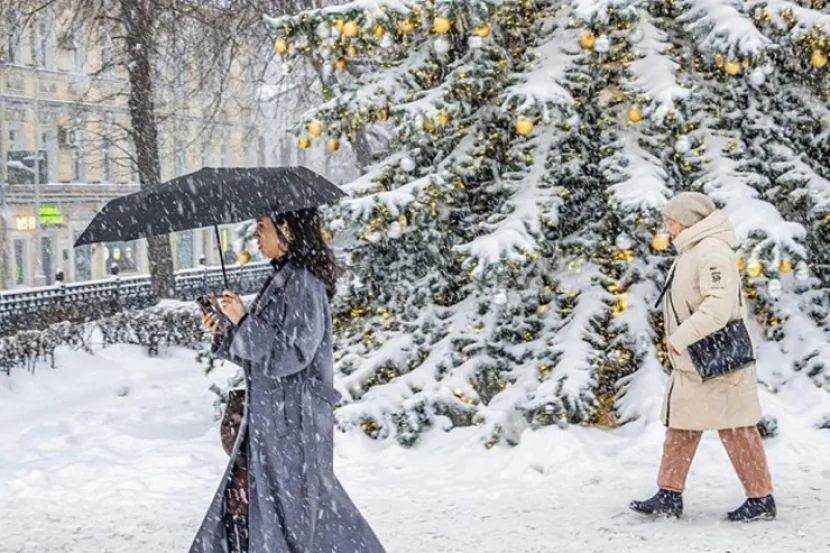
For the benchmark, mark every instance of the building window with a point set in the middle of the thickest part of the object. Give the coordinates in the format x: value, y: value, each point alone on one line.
x: 206, y: 147
x: 184, y: 250
x: 49, y: 148
x: 75, y: 46
x: 19, y: 262
x: 107, y: 151
x: 78, y: 166
x: 180, y: 156
x: 14, y: 32
x: 83, y: 260
x: 44, y: 42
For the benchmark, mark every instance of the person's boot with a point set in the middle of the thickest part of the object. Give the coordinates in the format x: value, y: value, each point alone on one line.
x: 236, y: 530
x: 664, y: 503
x: 754, y: 508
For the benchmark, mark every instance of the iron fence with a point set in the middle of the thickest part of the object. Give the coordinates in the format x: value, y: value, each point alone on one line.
x: 37, y: 308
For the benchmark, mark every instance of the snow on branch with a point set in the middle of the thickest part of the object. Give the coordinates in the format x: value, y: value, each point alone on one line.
x: 599, y: 11
x: 727, y: 184
x: 654, y: 72
x: 540, y: 87
x: 798, y: 172
x: 514, y: 235
x: 807, y: 20
x: 722, y: 26
x: 645, y: 187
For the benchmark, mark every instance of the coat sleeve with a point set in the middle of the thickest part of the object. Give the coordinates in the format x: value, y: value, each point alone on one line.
x: 221, y: 344
x: 284, y: 335
x: 719, y: 286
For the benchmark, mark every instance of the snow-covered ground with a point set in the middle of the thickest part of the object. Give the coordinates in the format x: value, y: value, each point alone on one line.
x: 119, y: 453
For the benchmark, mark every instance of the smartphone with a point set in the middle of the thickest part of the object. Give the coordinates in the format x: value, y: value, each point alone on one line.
x: 206, y: 305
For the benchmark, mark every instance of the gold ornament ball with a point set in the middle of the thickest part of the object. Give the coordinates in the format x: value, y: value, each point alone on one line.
x: 314, y: 128
x: 351, y: 51
x: 635, y: 115
x: 243, y: 258
x: 818, y: 59
x: 406, y: 26
x: 786, y: 266
x: 341, y: 64
x: 383, y: 115
x: 333, y: 145
x: 280, y: 46
x: 379, y: 31
x: 587, y: 40
x: 754, y: 268
x: 443, y: 118
x: 483, y: 31
x: 339, y: 24
x: 732, y: 67
x: 524, y: 126
x: 429, y: 126
x: 660, y: 242
x: 304, y: 142
x: 351, y: 29
x: 441, y: 25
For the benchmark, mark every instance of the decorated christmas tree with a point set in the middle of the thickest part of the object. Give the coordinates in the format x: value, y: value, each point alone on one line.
x: 509, y: 252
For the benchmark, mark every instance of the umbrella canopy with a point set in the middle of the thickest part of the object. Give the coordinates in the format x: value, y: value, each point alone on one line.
x: 209, y: 197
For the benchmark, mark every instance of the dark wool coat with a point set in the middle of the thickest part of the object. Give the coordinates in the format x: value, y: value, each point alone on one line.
x: 297, y: 504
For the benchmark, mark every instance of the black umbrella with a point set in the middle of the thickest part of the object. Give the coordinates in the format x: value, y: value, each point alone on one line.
x: 209, y: 197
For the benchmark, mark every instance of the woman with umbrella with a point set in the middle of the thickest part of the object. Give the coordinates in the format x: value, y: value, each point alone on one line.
x: 284, y: 447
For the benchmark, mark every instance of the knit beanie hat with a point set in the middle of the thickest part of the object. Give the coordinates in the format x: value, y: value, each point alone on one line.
x: 689, y: 208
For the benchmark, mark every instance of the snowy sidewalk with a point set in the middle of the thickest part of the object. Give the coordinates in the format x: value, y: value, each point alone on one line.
x: 86, y: 469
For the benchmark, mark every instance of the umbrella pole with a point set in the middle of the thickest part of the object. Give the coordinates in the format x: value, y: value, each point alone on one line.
x: 221, y: 256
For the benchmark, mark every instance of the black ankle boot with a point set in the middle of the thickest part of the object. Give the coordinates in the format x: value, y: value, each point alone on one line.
x: 663, y: 503
x: 754, y: 508
x: 236, y: 530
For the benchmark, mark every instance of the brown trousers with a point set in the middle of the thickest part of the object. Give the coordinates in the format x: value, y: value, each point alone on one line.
x: 745, y: 450
x: 236, y: 499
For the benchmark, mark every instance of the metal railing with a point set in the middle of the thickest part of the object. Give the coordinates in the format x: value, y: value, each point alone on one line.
x: 39, y: 307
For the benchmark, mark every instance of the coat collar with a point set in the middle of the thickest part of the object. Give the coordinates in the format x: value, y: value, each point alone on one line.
x: 717, y: 225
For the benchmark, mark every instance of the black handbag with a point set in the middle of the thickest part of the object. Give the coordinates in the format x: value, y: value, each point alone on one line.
x: 722, y: 352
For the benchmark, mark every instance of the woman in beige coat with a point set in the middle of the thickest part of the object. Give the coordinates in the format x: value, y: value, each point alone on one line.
x: 703, y: 294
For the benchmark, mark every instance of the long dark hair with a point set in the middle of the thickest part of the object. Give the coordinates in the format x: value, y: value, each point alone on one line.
x: 309, y: 249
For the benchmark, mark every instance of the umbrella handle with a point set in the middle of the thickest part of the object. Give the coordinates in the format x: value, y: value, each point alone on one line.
x: 221, y: 256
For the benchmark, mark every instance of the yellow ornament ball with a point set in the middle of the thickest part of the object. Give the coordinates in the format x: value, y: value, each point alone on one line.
x: 754, y: 268
x: 443, y: 118
x: 483, y: 31
x: 406, y: 26
x: 333, y: 145
x: 339, y: 24
x: 660, y: 242
x: 350, y: 29
x: 351, y: 51
x: 732, y: 67
x: 243, y: 258
x: 786, y: 266
x: 635, y: 115
x: 818, y: 59
x: 379, y: 31
x: 524, y: 126
x: 304, y: 142
x: 587, y: 40
x: 341, y: 64
x: 314, y: 128
x: 441, y: 25
x: 280, y: 46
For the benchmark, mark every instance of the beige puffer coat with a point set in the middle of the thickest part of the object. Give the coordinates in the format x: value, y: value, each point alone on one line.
x: 705, y: 294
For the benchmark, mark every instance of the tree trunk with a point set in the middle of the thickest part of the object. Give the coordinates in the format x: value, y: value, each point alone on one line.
x: 138, y: 20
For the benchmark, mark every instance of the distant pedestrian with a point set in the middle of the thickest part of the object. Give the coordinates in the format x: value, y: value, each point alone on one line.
x: 702, y: 297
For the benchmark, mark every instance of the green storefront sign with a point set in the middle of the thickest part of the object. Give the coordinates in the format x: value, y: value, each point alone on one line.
x: 50, y: 216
